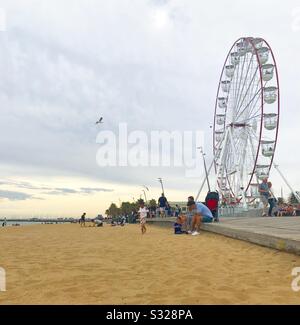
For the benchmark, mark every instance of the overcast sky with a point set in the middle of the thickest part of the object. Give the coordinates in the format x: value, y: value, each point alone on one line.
x: 154, y: 64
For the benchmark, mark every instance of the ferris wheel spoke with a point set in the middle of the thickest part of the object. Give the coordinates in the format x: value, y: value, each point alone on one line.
x: 254, y: 115
x: 249, y: 103
x: 253, y: 155
x: 240, y: 90
x: 252, y: 80
x: 251, y: 145
x: 236, y: 93
x: 245, y: 84
x: 241, y: 146
x: 251, y: 118
x: 249, y: 158
x: 247, y: 87
x: 255, y: 85
x: 237, y: 68
x: 253, y: 106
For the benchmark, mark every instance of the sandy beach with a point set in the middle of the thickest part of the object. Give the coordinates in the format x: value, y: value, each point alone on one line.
x: 66, y: 264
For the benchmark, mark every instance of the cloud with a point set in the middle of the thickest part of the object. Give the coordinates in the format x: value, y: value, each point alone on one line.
x: 57, y: 79
x: 66, y: 190
x: 42, y: 189
x: 14, y: 196
x: 89, y: 190
x: 25, y: 185
x: 83, y: 190
x: 159, y: 2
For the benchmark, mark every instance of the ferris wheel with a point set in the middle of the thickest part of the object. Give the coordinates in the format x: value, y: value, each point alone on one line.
x: 246, y: 119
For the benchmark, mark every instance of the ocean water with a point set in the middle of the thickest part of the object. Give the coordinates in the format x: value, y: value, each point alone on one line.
x: 27, y: 223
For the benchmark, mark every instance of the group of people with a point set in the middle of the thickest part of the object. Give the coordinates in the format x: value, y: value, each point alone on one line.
x: 190, y: 223
x: 164, y: 209
x: 197, y: 213
x: 121, y: 222
x: 270, y: 203
x: 267, y: 198
x: 97, y: 222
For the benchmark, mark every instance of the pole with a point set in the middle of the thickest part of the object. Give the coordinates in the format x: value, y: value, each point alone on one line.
x: 205, y: 168
x: 145, y: 196
x: 202, y: 185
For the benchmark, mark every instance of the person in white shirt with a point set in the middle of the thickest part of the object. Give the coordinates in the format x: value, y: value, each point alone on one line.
x: 143, y: 211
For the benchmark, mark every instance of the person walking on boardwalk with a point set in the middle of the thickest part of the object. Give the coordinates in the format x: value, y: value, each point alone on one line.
x: 163, y: 204
x: 272, y: 202
x: 264, y: 195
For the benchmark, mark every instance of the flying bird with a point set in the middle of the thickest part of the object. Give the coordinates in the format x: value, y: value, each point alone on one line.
x: 100, y: 121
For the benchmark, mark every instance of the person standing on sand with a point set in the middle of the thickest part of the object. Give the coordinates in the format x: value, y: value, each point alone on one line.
x: 82, y: 220
x: 264, y: 191
x: 143, y: 211
x: 4, y: 223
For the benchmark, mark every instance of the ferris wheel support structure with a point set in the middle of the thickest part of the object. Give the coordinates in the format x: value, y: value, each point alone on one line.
x: 296, y: 194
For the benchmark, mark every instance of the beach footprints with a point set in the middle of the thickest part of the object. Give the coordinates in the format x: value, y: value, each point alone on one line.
x: 2, y: 280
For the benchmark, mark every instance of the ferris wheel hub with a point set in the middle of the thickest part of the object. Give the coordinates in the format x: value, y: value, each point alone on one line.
x: 238, y: 125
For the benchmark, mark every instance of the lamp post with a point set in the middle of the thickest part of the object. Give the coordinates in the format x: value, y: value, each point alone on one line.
x: 205, y: 167
x: 162, y: 185
x: 144, y: 186
x: 145, y: 196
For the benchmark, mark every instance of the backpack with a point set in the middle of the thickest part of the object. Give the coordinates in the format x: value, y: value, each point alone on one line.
x: 212, y: 200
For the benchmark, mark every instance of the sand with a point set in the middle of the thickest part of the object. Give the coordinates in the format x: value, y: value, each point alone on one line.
x: 66, y: 264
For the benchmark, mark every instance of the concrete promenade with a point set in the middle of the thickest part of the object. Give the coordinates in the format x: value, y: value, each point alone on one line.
x: 279, y: 233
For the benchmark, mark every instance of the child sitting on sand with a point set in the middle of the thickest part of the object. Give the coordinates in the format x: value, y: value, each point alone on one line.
x: 178, y: 226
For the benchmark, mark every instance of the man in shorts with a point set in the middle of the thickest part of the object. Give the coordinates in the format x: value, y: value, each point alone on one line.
x: 163, y: 204
x: 82, y: 220
x: 264, y: 192
x: 199, y: 213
